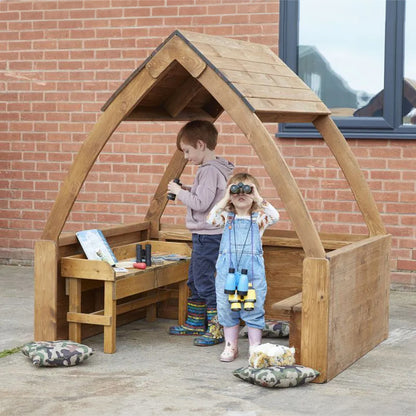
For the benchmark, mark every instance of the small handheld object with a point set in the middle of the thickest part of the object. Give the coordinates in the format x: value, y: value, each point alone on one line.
x: 148, y: 255
x: 138, y: 253
x: 171, y: 196
x: 141, y: 266
x: 241, y: 188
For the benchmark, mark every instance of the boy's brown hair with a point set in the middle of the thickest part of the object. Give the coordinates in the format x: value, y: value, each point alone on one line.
x: 196, y: 130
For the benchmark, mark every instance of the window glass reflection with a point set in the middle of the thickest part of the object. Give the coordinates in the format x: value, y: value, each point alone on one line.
x: 342, y: 59
x: 409, y: 82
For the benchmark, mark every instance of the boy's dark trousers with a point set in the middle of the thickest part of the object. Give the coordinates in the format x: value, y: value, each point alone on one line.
x: 201, y: 277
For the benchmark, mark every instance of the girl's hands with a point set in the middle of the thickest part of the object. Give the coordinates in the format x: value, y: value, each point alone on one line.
x: 222, y: 203
x: 256, y: 196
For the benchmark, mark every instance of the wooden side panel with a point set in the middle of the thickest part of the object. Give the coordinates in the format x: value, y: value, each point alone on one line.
x: 46, y: 290
x: 174, y: 273
x: 295, y: 335
x: 315, y: 315
x: 86, y: 269
x: 283, y: 273
x: 359, y: 302
x: 158, y: 247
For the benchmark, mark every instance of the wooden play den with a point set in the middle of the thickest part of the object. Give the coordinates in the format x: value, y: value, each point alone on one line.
x: 333, y: 288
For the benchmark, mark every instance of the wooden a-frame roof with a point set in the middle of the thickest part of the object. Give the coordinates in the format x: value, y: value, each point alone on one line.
x: 262, y: 81
x: 196, y: 76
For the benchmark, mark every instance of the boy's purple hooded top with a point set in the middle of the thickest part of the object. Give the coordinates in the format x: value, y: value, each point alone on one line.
x: 207, y: 189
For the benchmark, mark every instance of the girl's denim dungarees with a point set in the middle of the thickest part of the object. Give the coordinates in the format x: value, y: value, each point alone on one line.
x: 251, y: 259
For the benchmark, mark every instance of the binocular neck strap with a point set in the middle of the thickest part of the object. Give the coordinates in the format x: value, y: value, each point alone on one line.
x: 250, y: 230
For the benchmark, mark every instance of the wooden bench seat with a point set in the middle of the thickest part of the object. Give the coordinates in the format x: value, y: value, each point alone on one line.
x: 291, y: 308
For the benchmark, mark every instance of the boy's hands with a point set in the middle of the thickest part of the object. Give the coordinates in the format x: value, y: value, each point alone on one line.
x: 174, y: 188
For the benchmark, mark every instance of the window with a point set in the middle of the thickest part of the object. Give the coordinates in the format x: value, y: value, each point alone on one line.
x: 358, y: 58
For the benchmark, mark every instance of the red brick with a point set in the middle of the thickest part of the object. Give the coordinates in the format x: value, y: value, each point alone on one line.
x: 406, y: 265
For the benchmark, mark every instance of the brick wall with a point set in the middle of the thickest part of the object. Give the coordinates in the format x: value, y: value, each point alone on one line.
x: 59, y: 63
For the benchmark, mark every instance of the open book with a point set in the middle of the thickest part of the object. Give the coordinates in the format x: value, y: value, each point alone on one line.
x: 95, y: 246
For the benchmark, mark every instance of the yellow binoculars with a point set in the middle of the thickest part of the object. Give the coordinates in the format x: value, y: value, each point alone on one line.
x: 236, y: 300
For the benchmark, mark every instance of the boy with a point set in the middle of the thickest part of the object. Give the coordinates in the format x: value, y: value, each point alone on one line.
x: 197, y: 140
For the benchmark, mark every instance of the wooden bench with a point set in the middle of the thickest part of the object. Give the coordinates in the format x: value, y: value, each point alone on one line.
x: 291, y: 309
x: 156, y: 280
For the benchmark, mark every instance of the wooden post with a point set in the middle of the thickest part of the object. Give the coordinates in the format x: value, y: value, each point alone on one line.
x: 182, y: 302
x: 315, y: 315
x: 46, y: 290
x: 74, y: 306
x: 110, y: 311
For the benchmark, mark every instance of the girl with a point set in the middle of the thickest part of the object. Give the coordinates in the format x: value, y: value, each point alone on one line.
x: 245, y: 215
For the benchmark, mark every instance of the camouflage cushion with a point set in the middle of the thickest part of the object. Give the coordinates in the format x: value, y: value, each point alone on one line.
x: 279, y: 377
x: 56, y: 353
x: 276, y: 329
x: 272, y: 329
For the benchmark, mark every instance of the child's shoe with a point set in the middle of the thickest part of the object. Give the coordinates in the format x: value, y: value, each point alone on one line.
x: 214, y: 334
x: 229, y: 354
x: 195, y: 320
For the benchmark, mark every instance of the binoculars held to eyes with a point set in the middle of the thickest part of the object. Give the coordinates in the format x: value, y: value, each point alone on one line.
x: 241, y: 188
x: 239, y: 291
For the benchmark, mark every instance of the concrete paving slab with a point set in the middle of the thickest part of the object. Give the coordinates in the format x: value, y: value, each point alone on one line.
x: 153, y: 373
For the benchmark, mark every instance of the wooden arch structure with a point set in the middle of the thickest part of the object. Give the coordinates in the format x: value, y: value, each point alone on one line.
x: 195, y: 76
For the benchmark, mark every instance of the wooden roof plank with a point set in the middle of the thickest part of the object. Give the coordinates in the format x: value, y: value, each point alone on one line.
x: 273, y: 117
x: 260, y: 91
x: 288, y: 106
x: 245, y: 54
x: 224, y: 63
x: 218, y: 41
x: 261, y: 79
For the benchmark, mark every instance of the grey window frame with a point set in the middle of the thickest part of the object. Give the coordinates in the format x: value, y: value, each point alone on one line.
x: 387, y: 127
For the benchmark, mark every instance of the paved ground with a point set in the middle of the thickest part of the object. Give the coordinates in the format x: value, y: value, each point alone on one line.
x: 153, y: 373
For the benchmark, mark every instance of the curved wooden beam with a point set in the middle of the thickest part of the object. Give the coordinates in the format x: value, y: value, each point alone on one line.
x: 91, y: 148
x: 353, y: 174
x: 118, y: 110
x: 158, y: 204
x: 269, y: 154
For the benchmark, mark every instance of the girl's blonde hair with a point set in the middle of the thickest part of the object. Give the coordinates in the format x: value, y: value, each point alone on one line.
x: 243, y: 177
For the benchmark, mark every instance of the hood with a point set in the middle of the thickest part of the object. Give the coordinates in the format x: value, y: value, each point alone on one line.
x: 224, y: 166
